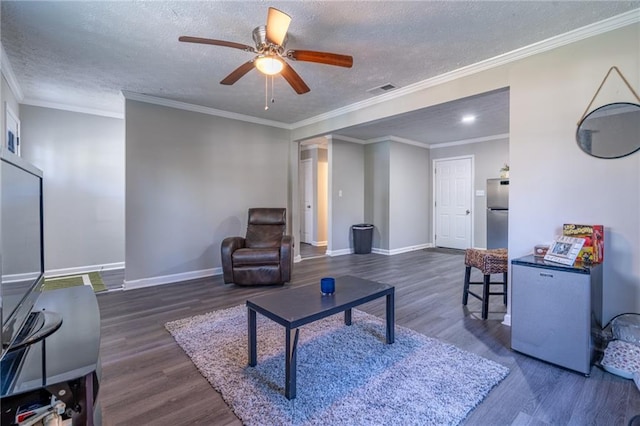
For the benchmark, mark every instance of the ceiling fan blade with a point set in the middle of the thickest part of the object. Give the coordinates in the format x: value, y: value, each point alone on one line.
x: 238, y: 73
x: 277, y: 26
x: 294, y: 79
x: 214, y: 42
x: 321, y: 57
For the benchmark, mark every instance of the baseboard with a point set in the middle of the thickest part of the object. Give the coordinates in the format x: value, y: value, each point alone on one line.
x: 297, y: 259
x: 342, y: 252
x: 15, y: 278
x: 385, y: 252
x: 319, y: 243
x: 401, y: 250
x: 83, y: 269
x: 170, y: 279
x: 507, y: 320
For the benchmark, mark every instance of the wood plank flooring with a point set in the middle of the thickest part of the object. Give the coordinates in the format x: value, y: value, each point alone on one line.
x: 308, y: 250
x: 148, y: 380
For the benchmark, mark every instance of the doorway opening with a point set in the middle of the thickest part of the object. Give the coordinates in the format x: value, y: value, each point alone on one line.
x: 314, y: 193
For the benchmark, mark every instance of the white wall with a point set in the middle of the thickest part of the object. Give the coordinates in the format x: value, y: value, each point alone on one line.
x: 553, y: 181
x: 489, y: 157
x: 190, y: 180
x: 82, y: 159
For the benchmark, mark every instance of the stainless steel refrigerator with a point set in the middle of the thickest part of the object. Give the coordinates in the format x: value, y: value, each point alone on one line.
x: 497, y: 213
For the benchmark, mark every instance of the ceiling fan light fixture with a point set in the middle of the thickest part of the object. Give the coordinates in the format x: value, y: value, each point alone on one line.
x: 269, y: 65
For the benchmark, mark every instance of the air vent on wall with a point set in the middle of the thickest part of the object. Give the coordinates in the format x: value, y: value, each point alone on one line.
x: 382, y: 89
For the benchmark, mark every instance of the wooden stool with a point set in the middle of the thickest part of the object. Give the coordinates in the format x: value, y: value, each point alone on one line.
x: 489, y: 262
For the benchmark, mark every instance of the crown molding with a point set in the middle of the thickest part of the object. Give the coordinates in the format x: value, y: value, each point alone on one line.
x: 591, y: 30
x: 399, y: 140
x: 202, y: 109
x: 348, y: 139
x: 468, y: 141
x: 7, y: 71
x: 421, y: 144
x: 73, y: 108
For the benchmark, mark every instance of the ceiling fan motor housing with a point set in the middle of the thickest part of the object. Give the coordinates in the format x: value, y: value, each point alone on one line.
x: 263, y: 46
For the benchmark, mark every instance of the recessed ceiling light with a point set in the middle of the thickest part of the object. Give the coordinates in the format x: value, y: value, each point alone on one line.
x: 468, y: 119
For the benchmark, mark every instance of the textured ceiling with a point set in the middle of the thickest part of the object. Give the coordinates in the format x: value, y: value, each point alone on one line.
x: 85, y: 53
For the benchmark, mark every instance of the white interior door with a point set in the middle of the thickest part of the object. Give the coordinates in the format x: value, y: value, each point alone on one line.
x: 453, y: 215
x: 308, y: 204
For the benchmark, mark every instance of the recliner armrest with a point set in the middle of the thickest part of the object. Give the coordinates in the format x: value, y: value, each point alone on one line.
x: 286, y: 257
x: 228, y: 246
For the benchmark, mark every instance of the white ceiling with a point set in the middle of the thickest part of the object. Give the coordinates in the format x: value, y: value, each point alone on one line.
x: 84, y: 54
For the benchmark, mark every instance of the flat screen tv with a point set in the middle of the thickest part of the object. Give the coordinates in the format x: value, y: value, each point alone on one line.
x: 21, y: 248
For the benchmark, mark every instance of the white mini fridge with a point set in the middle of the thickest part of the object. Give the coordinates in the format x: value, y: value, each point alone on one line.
x: 553, y: 310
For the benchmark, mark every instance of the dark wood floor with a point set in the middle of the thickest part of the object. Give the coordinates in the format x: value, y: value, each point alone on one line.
x: 148, y: 380
x: 308, y: 250
x: 113, y: 279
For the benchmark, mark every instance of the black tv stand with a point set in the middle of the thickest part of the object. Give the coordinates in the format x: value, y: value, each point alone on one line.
x: 56, y: 361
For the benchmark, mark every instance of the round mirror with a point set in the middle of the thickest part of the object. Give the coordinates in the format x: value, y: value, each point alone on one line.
x: 611, y: 131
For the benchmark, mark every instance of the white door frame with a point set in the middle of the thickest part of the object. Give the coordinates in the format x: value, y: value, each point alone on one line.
x: 307, y: 228
x: 434, y: 192
x: 298, y: 190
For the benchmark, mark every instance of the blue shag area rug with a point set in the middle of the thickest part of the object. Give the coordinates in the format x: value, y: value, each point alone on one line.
x: 346, y: 374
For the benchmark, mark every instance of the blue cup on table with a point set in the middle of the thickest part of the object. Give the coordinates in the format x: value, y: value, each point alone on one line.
x: 327, y: 286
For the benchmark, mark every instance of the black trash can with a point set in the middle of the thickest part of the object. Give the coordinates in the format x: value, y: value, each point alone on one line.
x: 362, y: 238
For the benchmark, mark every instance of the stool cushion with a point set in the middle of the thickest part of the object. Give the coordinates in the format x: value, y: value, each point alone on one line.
x: 492, y: 261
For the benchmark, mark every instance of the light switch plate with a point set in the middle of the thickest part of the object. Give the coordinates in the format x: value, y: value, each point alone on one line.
x: 479, y: 192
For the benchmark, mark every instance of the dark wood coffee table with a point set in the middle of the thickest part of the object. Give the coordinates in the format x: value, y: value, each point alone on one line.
x: 297, y: 306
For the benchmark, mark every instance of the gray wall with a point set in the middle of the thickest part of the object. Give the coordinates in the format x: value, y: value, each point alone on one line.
x: 489, y: 157
x: 82, y: 160
x: 346, y: 174
x: 397, y: 194
x: 376, y: 185
x: 19, y: 223
x: 409, y: 195
x: 190, y: 180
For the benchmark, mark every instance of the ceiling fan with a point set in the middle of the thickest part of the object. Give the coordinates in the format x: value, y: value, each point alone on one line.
x: 270, y: 52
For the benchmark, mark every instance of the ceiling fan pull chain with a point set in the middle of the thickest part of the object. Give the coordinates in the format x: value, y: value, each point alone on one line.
x: 273, y: 99
x: 266, y: 93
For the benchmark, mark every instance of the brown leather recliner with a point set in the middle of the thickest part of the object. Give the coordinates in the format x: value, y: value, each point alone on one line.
x: 265, y: 255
